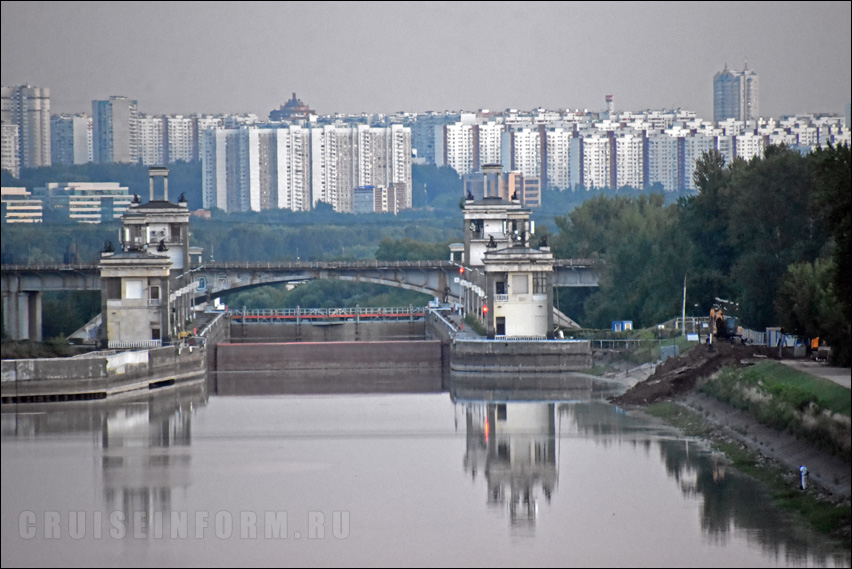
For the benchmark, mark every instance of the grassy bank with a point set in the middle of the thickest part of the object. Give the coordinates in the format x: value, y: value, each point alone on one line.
x: 811, y: 408
x: 823, y: 516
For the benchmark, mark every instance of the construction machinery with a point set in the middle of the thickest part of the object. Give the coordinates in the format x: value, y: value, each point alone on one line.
x: 723, y: 325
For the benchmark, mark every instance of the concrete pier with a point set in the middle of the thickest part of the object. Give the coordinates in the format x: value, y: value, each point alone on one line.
x: 520, y: 357
x: 99, y: 375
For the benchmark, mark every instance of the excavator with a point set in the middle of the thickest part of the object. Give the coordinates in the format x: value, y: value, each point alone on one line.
x: 724, y: 326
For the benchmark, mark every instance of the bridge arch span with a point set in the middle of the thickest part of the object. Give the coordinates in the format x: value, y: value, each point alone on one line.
x: 348, y: 278
x: 431, y: 278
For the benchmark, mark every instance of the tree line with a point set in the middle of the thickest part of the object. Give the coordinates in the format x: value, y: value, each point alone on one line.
x: 770, y: 235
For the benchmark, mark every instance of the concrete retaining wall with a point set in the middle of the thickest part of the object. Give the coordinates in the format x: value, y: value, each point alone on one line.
x: 440, y: 329
x: 98, y: 376
x: 328, y: 332
x: 216, y: 332
x: 338, y: 367
x: 516, y: 357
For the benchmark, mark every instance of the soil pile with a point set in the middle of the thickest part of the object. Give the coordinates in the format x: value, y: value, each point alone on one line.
x: 679, y: 376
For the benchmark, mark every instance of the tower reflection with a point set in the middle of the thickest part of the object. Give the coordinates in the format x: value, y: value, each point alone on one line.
x: 514, y: 445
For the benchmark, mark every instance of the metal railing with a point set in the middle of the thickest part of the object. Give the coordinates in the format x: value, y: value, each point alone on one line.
x: 289, y: 265
x: 271, y: 315
x: 118, y: 344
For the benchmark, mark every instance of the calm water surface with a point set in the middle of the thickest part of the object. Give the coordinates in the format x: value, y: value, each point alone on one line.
x: 385, y: 479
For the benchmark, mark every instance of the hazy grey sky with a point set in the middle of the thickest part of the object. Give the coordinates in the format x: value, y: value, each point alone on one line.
x: 351, y: 57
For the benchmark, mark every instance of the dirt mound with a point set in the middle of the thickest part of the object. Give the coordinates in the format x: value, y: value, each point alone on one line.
x: 679, y: 375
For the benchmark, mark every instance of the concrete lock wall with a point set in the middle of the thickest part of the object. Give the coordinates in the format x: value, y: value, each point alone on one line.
x: 217, y: 332
x: 340, y: 367
x: 330, y: 332
x: 339, y: 355
x: 533, y: 357
x: 99, y: 376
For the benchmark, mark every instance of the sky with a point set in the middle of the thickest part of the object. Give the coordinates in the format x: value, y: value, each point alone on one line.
x: 384, y: 57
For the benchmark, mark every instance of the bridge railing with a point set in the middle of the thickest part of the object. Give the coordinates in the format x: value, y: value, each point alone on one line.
x: 289, y: 265
x: 273, y: 315
x: 330, y: 265
x: 139, y: 344
x: 50, y: 267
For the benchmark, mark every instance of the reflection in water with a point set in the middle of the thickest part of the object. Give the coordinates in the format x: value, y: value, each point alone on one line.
x: 514, y: 445
x: 145, y: 452
x: 730, y: 503
x: 145, y: 443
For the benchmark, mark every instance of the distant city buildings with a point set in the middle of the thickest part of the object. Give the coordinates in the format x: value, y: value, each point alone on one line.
x: 28, y: 107
x: 295, y: 167
x: 735, y: 95
x: 115, y: 130
x: 491, y: 181
x: 71, y: 139
x: 18, y: 206
x: 583, y: 150
x: 84, y: 202
x: 297, y: 158
x: 293, y: 110
x: 380, y: 199
x: 10, y: 151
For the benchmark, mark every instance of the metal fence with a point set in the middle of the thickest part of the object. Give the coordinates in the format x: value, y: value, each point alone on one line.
x: 356, y: 314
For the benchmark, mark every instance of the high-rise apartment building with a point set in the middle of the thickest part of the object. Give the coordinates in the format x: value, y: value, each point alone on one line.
x: 735, y: 95
x: 180, y: 143
x: 559, y: 141
x: 71, y: 139
x: 294, y: 167
x: 630, y: 160
x: 29, y: 108
x: 521, y: 151
x: 596, y: 161
x: 663, y: 161
x: 10, y: 157
x: 115, y: 130
x: 152, y: 140
x: 252, y: 169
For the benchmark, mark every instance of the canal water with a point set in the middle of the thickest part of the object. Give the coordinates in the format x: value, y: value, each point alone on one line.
x: 469, y: 477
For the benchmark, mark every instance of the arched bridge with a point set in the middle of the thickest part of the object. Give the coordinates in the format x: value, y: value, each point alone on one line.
x: 22, y: 285
x: 436, y: 278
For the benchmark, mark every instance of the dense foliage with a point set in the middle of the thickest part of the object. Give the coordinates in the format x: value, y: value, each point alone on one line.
x: 770, y: 235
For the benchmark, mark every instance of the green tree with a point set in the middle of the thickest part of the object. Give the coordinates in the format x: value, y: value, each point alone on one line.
x: 773, y: 223
x: 704, y: 220
x: 833, y: 172
x: 408, y: 249
x: 804, y: 304
x: 638, y: 245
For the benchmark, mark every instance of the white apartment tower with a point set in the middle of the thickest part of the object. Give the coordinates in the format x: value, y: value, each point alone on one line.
x: 28, y: 107
x: 295, y: 168
x: 115, y: 130
x: 10, y: 150
x: 252, y: 169
x: 152, y: 140
x: 596, y: 161
x: 662, y: 161
x: 180, y: 141
x: 630, y: 158
x: 559, y: 142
